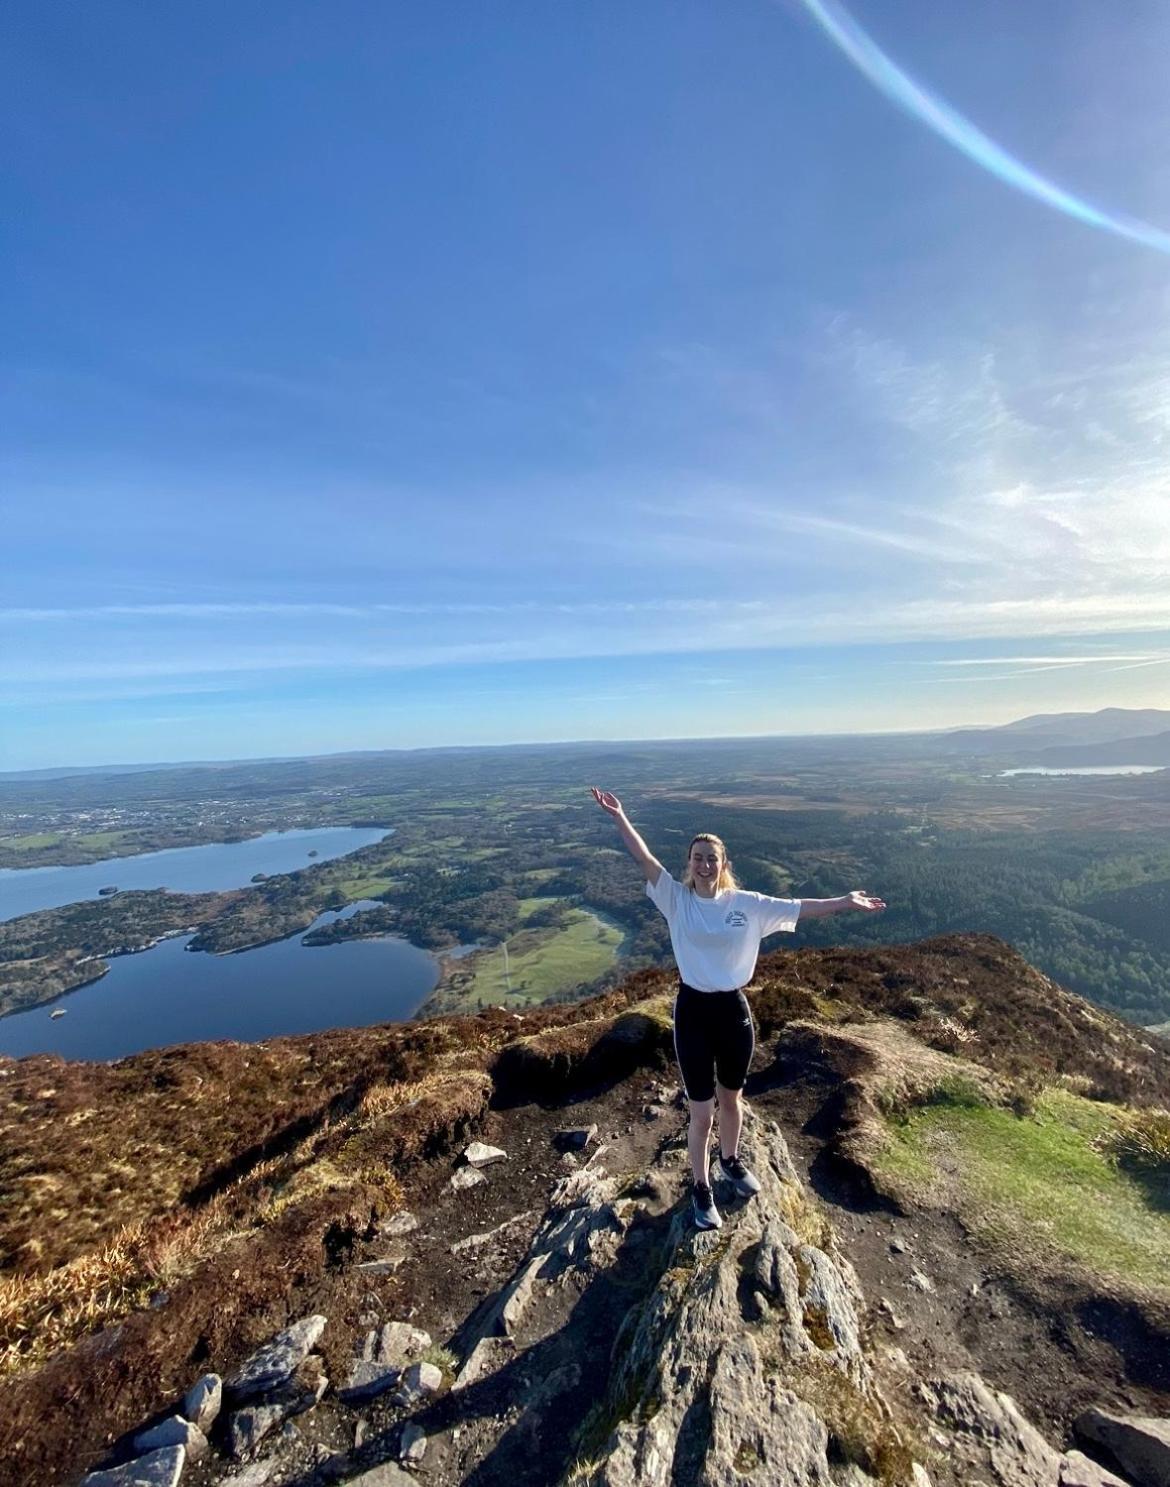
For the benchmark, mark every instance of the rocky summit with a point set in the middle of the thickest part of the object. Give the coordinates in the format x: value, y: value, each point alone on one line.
x: 951, y: 1274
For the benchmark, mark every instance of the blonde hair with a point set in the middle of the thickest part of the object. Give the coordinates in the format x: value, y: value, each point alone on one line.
x: 726, y: 878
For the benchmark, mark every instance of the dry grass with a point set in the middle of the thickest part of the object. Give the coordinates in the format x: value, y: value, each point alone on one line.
x: 1141, y: 1141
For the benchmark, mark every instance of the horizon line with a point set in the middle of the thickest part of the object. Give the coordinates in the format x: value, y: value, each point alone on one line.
x: 11, y: 775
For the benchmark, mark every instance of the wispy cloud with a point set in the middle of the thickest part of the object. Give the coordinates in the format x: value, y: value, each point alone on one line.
x: 1043, y: 661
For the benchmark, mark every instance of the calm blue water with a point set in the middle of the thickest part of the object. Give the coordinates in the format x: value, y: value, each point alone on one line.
x: 167, y: 995
x: 210, y: 869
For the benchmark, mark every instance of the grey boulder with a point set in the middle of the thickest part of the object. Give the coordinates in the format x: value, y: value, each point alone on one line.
x: 201, y: 1403
x: 158, y: 1469
x: 276, y: 1361
x: 1141, y: 1443
x: 248, y: 1426
x: 174, y: 1431
x: 385, y: 1353
x: 992, y: 1434
x: 387, y: 1475
x: 1078, y: 1470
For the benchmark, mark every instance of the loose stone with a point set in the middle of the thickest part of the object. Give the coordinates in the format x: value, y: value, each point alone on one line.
x: 575, y: 1138
x: 419, y: 1380
x: 158, y: 1469
x: 276, y: 1360
x: 466, y: 1177
x: 387, y: 1475
x: 201, y: 1403
x: 403, y: 1222
x: 478, y: 1154
x: 413, y: 1445
x: 396, y: 1255
x: 175, y: 1431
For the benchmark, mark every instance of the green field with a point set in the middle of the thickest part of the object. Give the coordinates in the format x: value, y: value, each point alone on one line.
x: 101, y: 841
x: 364, y: 887
x: 536, y: 963
x: 1036, y: 1183
x: 31, y: 843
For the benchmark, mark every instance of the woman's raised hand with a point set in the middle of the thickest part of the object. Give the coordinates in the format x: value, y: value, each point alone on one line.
x: 606, y: 800
x: 865, y: 902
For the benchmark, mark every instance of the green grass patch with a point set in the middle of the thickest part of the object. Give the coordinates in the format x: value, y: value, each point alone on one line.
x: 100, y: 841
x: 32, y: 842
x: 541, y: 962
x: 1040, y: 1181
x: 529, y: 906
x: 369, y: 887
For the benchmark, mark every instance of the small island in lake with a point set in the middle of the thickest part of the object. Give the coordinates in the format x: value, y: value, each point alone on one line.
x: 107, y: 892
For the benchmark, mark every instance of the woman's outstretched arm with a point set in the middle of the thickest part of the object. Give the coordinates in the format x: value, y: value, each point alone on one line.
x: 820, y: 908
x: 636, y: 847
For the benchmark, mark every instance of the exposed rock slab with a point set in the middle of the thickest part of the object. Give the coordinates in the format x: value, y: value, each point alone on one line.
x: 702, y: 1397
x: 488, y: 1355
x: 1079, y: 1470
x: 477, y: 1241
x: 581, y: 1232
x: 1141, y: 1443
x: 991, y: 1433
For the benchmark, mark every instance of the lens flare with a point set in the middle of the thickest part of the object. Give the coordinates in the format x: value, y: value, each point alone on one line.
x: 869, y: 59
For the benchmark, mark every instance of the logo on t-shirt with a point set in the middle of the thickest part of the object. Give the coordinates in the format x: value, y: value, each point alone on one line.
x: 736, y: 918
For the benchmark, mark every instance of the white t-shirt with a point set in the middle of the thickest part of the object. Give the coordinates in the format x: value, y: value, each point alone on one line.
x: 716, y: 941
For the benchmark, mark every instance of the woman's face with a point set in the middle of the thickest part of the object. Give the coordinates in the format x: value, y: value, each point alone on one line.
x: 705, y: 862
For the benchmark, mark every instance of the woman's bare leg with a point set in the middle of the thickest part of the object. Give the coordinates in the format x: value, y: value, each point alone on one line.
x: 699, y: 1138
x: 730, y: 1119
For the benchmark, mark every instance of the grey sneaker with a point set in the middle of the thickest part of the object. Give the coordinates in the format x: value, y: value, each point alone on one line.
x: 707, y: 1216
x: 744, y: 1182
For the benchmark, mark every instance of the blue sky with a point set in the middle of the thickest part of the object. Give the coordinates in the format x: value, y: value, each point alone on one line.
x: 382, y: 375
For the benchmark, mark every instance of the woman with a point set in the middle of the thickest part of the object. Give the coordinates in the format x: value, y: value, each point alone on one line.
x: 715, y: 932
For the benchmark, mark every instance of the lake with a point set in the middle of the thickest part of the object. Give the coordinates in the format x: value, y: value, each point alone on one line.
x: 1089, y: 769
x: 170, y: 995
x: 208, y: 869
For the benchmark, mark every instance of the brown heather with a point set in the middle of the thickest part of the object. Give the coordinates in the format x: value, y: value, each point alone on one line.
x: 234, y: 1176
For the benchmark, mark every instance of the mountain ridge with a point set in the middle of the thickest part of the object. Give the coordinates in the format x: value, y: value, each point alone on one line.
x: 254, y: 1180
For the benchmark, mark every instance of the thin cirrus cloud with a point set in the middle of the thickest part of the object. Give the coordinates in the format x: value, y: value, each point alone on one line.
x: 1044, y: 661
x: 310, y: 610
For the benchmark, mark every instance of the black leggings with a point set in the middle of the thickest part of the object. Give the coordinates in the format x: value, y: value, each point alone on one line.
x: 714, y: 1038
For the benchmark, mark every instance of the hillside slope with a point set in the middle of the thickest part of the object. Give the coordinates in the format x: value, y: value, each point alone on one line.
x: 166, y: 1214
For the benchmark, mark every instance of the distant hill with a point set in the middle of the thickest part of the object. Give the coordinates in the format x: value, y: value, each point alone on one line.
x: 1153, y: 748
x: 1040, y: 731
